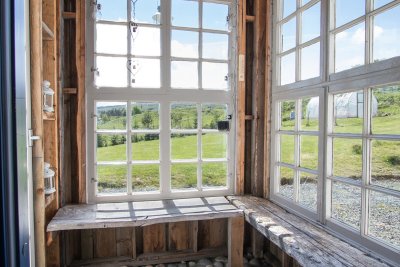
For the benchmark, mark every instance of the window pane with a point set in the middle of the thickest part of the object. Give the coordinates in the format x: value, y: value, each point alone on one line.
x: 184, y: 74
x: 184, y: 176
x: 310, y: 23
x: 215, y: 46
x: 188, y: 18
x: 310, y: 61
x: 379, y: 3
x: 347, y: 11
x: 309, y: 152
x: 303, y: 2
x: 289, y: 34
x: 212, y: 113
x: 112, y: 10
x: 308, y: 190
x: 286, y: 188
x: 215, y: 76
x: 145, y: 116
x: 385, y: 169
x: 112, y: 71
x: 183, y: 116
x: 111, y: 39
x: 310, y: 114
x: 215, y: 174
x: 288, y: 115
x: 145, y: 178
x: 346, y: 204
x: 350, y: 47
x: 146, y: 42
x: 146, y: 11
x: 214, y: 145
x: 111, y: 179
x: 386, y: 34
x: 185, y: 44
x: 288, y: 69
x: 383, y: 220
x: 184, y: 146
x: 145, y: 73
x: 348, y: 112
x: 347, y: 158
x: 386, y: 110
x: 111, y: 147
x: 287, y: 148
x: 289, y: 6
x: 214, y: 16
x: 145, y: 146
x: 111, y: 115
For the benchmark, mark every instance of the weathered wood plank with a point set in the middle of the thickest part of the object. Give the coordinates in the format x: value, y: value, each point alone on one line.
x: 308, y: 244
x: 180, y: 236
x: 126, y: 242
x: 104, y: 243
x: 212, y: 233
x: 87, y: 244
x: 235, y: 242
x: 154, y: 238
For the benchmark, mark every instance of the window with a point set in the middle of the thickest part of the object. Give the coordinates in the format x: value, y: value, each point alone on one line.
x: 161, y: 82
x: 336, y: 109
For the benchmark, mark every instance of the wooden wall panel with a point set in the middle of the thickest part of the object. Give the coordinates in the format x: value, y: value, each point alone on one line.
x: 182, y: 235
x: 154, y: 238
x: 126, y: 245
x: 104, y: 243
x: 212, y: 233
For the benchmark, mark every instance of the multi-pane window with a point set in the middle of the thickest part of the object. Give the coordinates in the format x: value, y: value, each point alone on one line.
x: 160, y: 98
x: 336, y: 139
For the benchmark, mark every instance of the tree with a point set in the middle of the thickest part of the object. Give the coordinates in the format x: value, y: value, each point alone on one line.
x: 147, y: 119
x: 176, y: 118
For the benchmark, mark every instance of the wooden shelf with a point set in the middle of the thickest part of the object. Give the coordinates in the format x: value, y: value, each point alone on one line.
x: 71, y: 91
x: 250, y: 18
x: 69, y: 15
x: 49, y: 116
x: 48, y: 34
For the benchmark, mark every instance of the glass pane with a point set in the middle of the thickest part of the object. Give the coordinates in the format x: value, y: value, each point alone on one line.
x: 214, y: 145
x: 215, y: 76
x: 303, y: 2
x: 111, y: 179
x: 309, y: 152
x: 383, y: 220
x: 145, y: 73
x: 288, y: 69
x: 288, y: 115
x: 286, y: 188
x: 386, y: 110
x: 145, y: 146
x: 145, y: 178
x: 184, y: 74
x: 348, y: 112
x: 379, y: 3
x: 111, y: 39
x: 112, y: 10
x: 310, y: 114
x: 287, y: 148
x: 185, y: 44
x: 215, y: 174
x: 308, y: 190
x: 111, y: 147
x: 214, y: 16
x: 184, y: 146
x: 146, y: 11
x: 347, y: 158
x: 184, y: 176
x: 146, y: 42
x: 346, y: 204
x: 347, y: 11
x: 310, y: 23
x: 386, y: 35
x: 289, y: 34
x: 385, y: 164
x: 183, y: 116
x: 350, y: 47
x: 111, y: 115
x: 145, y: 116
x: 212, y: 113
x: 215, y: 46
x: 188, y: 18
x: 112, y: 71
x: 310, y: 61
x: 289, y: 6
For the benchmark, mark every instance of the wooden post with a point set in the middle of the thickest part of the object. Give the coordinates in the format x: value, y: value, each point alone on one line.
x: 235, y: 241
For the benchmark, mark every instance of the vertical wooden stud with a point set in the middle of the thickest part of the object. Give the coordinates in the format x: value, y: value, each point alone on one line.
x: 235, y: 241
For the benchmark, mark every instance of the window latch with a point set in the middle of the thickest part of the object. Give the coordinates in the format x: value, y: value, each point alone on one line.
x: 32, y: 138
x: 95, y: 70
x: 93, y: 115
x: 93, y: 180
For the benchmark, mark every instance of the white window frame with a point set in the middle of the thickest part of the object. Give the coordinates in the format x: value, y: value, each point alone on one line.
x: 329, y: 83
x: 164, y: 96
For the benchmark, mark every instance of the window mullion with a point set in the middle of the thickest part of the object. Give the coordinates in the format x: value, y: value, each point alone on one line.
x: 200, y: 47
x: 199, y: 149
x: 368, y: 32
x: 129, y: 146
x: 129, y: 35
x: 297, y: 144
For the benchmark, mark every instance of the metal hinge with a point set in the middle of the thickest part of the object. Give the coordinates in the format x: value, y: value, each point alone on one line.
x: 32, y: 137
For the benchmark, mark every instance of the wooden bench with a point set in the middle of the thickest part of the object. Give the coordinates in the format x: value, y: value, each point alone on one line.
x: 140, y: 214
x: 308, y: 244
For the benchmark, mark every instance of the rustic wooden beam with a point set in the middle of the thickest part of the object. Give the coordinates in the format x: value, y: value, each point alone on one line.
x: 235, y: 241
x: 69, y: 15
x: 70, y: 91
